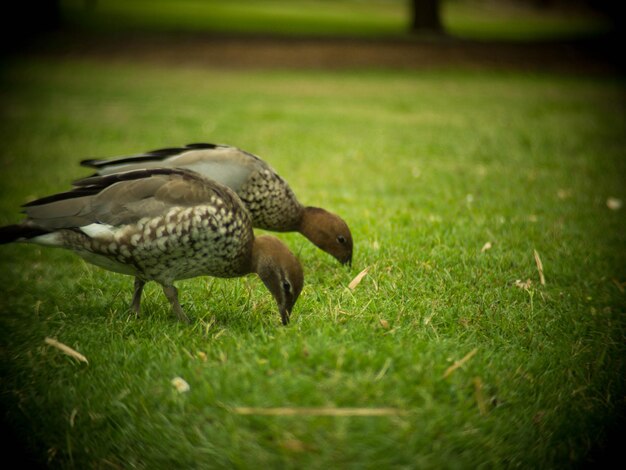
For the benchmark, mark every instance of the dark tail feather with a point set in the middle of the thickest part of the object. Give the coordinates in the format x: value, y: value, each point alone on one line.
x: 92, y: 163
x: 14, y: 233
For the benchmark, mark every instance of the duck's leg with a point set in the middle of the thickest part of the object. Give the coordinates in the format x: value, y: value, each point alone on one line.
x: 136, y: 304
x: 172, y: 295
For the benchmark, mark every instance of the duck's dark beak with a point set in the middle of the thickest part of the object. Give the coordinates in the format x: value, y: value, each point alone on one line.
x: 347, y: 260
x: 284, y: 316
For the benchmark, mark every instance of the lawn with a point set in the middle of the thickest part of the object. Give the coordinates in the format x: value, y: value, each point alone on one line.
x: 450, y: 180
x: 475, y: 19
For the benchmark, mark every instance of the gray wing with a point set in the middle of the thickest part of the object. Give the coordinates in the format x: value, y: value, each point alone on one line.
x: 125, y: 198
x: 227, y: 165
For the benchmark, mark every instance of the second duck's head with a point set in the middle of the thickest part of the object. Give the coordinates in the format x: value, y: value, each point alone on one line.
x: 328, y: 232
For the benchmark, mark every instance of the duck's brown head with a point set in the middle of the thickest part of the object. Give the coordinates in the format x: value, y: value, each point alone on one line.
x: 328, y: 232
x: 280, y: 271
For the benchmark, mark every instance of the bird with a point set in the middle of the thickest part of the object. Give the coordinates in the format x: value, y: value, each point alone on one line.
x: 268, y: 197
x: 163, y: 225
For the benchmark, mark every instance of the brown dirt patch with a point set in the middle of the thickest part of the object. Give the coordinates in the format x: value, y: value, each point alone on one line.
x: 592, y: 56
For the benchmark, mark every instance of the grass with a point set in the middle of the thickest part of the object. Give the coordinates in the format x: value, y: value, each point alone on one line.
x: 426, y: 168
x: 497, y: 20
x: 484, y: 20
x: 309, y: 17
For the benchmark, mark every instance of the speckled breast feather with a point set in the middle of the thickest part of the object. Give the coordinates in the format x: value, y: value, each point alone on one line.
x: 271, y: 202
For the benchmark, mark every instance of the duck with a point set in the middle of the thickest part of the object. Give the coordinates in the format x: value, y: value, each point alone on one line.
x: 162, y: 225
x: 270, y: 200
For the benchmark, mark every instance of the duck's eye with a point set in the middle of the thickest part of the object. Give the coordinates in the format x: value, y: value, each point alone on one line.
x: 341, y: 239
x: 286, y: 286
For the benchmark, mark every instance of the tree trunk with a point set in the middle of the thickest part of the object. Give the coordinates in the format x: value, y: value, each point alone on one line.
x: 425, y: 16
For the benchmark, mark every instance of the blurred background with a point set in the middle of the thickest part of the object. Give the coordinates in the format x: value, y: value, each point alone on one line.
x: 592, y: 27
x: 484, y: 19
